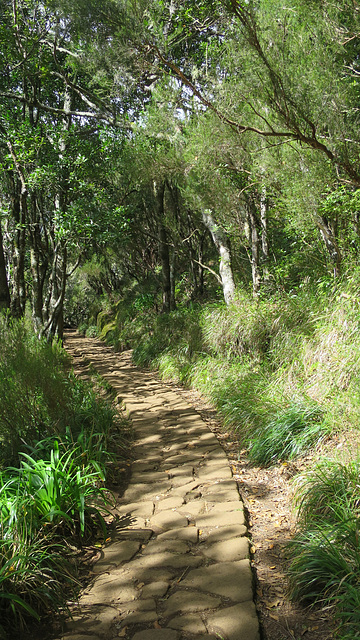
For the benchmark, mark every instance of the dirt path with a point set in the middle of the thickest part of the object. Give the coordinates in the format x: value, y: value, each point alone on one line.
x: 178, y: 567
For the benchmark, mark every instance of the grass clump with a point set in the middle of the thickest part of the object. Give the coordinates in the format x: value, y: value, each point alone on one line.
x: 325, y: 553
x: 292, y: 431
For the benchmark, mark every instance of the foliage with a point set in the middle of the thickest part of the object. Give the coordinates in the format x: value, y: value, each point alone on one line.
x: 325, y: 557
x: 40, y: 398
x: 57, y: 442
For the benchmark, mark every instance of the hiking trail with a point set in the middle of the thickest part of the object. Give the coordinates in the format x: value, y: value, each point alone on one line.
x: 177, y: 567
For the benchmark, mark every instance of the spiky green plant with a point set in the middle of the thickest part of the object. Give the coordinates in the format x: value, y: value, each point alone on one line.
x: 289, y: 433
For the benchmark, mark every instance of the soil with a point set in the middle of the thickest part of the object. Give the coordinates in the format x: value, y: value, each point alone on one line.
x: 268, y: 497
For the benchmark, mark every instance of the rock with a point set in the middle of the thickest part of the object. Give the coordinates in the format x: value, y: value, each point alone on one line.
x: 232, y: 580
x: 235, y: 622
x: 189, y: 601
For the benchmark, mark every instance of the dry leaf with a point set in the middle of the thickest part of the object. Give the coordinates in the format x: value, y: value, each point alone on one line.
x: 157, y: 625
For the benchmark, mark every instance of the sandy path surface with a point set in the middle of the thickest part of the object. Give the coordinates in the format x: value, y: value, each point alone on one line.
x: 178, y: 565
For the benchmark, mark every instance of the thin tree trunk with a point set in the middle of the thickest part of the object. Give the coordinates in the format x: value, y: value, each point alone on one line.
x: 55, y: 324
x: 159, y: 193
x: 4, y: 288
x: 18, y: 211
x: 35, y: 267
x: 264, y: 235
x: 253, y: 239
x: 172, y: 281
x: 165, y: 268
x: 328, y: 233
x: 222, y: 244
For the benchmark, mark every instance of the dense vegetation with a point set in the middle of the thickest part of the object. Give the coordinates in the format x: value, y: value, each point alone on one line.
x: 183, y: 179
x: 56, y: 441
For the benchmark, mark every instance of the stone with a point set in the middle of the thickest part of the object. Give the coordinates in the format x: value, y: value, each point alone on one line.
x: 188, y: 623
x: 143, y: 535
x: 228, y: 550
x: 159, y: 546
x: 118, y: 552
x: 154, y: 590
x: 78, y: 636
x: 221, y: 495
x: 185, y: 487
x: 142, y: 509
x: 234, y: 505
x: 140, y: 492
x: 211, y: 473
x: 235, y: 622
x: 168, y: 520
x: 156, y: 634
x: 150, y: 574
x: 144, y: 604
x: 232, y: 580
x: 92, y: 619
x: 149, y: 477
x: 180, y: 471
x: 168, y: 503
x: 189, y: 601
x: 166, y: 559
x: 220, y: 519
x: 114, y: 588
x: 139, y: 617
x: 223, y: 533
x: 189, y: 534
x: 192, y: 508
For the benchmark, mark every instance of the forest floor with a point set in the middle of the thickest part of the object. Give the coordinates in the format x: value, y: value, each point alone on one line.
x: 268, y: 497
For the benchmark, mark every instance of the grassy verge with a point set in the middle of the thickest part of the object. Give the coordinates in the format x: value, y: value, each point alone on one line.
x: 284, y: 375
x: 325, y: 566
x: 57, y: 440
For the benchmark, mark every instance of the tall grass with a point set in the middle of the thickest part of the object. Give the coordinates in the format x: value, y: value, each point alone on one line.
x: 325, y: 565
x: 55, y: 438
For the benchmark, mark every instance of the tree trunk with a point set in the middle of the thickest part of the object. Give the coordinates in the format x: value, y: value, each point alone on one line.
x: 37, y: 280
x: 4, y: 288
x: 18, y: 291
x: 264, y: 235
x: 328, y: 233
x: 222, y: 244
x: 252, y: 234
x: 55, y: 324
x: 164, y: 254
x: 172, y: 281
x: 165, y: 268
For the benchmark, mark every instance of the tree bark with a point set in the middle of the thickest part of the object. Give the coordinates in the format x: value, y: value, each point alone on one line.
x: 18, y: 212
x: 164, y: 254
x: 222, y: 244
x: 252, y: 236
x: 328, y: 233
x: 264, y: 235
x: 4, y: 288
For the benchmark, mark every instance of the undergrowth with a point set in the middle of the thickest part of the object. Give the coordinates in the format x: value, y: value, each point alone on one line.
x: 57, y: 440
x: 325, y: 565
